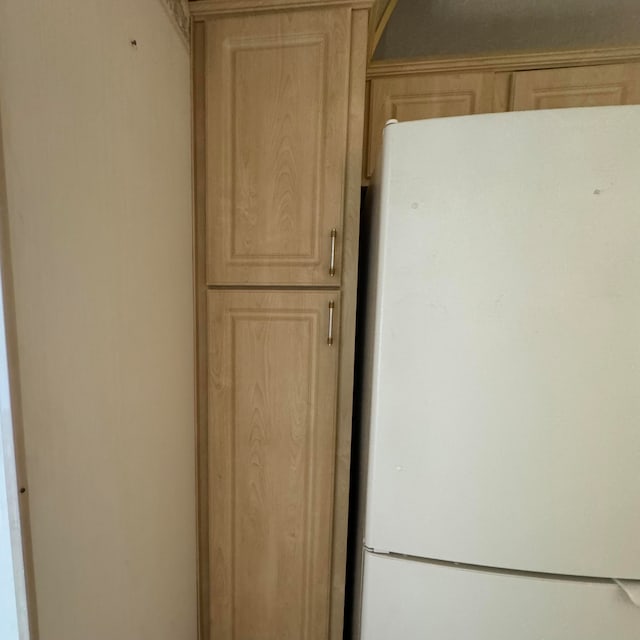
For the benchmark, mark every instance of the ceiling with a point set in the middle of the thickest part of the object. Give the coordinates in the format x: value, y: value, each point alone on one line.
x: 419, y: 28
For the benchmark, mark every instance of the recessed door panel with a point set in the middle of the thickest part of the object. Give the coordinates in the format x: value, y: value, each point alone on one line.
x: 276, y: 123
x: 272, y: 398
x: 596, y: 86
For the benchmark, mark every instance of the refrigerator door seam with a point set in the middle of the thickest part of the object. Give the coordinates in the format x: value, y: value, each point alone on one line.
x: 631, y: 587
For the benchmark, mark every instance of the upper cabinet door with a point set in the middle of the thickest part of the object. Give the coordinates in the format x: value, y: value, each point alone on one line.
x: 419, y: 96
x: 599, y: 86
x: 275, y: 118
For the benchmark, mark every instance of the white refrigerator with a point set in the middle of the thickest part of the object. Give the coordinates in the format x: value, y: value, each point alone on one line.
x: 501, y: 399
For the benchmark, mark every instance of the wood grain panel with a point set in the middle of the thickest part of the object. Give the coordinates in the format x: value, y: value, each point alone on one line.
x: 504, y: 62
x: 277, y: 93
x: 502, y: 91
x: 424, y: 96
x: 380, y: 14
x: 272, y: 392
x: 348, y: 318
x: 598, y: 86
x: 199, y: 8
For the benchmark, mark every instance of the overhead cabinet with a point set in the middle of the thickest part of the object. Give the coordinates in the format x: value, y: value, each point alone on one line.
x: 597, y: 86
x: 277, y: 87
x: 414, y: 90
x: 415, y: 97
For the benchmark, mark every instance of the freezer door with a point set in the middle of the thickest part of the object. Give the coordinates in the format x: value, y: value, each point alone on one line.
x: 504, y: 366
x: 416, y: 601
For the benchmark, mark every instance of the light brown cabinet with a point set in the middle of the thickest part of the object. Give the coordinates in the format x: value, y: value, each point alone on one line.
x: 277, y: 88
x: 279, y: 96
x: 412, y: 90
x: 272, y: 394
x: 414, y: 97
x: 595, y: 86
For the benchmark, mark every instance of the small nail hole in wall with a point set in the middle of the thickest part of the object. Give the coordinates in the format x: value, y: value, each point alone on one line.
x: 22, y: 490
x: 133, y: 43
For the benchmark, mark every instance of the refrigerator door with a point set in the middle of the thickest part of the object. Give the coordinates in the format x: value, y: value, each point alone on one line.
x: 415, y: 600
x: 503, y: 378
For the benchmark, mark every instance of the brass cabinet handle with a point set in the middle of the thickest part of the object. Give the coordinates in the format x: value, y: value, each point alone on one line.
x: 332, y: 263
x: 332, y: 306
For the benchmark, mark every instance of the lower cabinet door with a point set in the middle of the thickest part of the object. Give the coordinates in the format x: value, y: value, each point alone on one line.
x: 273, y: 362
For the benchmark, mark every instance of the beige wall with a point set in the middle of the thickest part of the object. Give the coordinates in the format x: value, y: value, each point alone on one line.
x: 97, y: 155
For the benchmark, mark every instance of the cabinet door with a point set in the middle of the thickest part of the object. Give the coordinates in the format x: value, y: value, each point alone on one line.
x: 598, y: 86
x: 276, y: 127
x: 416, y: 97
x: 272, y: 392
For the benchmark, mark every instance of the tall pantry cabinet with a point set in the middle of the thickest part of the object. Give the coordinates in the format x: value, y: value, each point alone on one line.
x: 278, y: 93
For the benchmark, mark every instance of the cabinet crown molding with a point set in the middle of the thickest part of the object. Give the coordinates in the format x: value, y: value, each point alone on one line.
x: 504, y: 62
x: 203, y: 8
x: 179, y: 14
